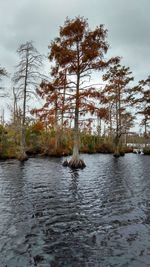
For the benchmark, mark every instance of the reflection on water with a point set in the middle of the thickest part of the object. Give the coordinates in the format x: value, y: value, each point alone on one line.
x: 53, y: 216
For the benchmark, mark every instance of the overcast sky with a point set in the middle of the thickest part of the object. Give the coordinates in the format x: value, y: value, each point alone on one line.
x: 127, y: 21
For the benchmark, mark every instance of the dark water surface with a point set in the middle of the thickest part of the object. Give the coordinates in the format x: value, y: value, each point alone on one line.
x: 96, y: 217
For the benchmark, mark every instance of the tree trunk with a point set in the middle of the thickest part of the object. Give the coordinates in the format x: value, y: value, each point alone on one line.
x: 117, y: 137
x: 99, y: 126
x: 63, y: 102
x: 118, y: 151
x: 76, y: 162
x: 23, y: 155
x: 56, y: 126
x: 145, y: 132
x: 110, y: 122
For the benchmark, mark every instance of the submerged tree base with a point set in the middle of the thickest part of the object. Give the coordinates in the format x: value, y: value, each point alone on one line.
x: 65, y: 163
x: 22, y: 156
x: 116, y: 155
x: 122, y: 153
x: 119, y: 153
x: 74, y: 164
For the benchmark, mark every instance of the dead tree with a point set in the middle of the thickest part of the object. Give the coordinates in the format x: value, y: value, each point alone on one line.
x: 26, y: 79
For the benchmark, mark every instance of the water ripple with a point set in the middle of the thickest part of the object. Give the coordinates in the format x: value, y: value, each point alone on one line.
x: 52, y: 216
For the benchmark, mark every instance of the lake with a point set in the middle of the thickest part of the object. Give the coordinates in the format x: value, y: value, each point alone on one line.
x: 95, y: 217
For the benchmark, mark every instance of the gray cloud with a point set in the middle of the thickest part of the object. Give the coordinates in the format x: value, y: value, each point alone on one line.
x: 128, y: 24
